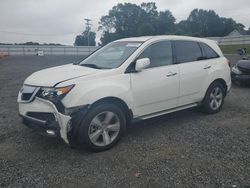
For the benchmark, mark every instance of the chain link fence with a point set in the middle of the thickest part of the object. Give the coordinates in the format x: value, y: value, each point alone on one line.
x: 85, y: 50
x: 244, y: 39
x: 46, y: 50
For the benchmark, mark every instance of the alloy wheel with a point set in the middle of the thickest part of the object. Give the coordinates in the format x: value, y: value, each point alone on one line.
x: 216, y: 98
x: 104, y: 128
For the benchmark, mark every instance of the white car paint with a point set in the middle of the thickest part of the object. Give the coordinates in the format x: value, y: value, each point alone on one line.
x: 153, y: 91
x: 51, y: 76
x: 147, y: 93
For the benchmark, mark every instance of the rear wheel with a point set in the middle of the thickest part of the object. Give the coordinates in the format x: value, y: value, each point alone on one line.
x: 214, y: 98
x: 102, y: 127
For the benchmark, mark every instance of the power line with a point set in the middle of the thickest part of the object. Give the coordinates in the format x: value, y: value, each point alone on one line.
x: 88, y: 28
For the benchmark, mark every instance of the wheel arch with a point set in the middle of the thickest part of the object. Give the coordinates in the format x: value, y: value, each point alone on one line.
x: 219, y: 80
x: 223, y: 82
x: 120, y: 103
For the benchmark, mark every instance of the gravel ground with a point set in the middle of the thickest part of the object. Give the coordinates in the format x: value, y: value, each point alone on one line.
x: 183, y: 149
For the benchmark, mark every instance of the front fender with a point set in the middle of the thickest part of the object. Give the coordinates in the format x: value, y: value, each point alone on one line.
x: 106, y: 91
x: 93, y: 90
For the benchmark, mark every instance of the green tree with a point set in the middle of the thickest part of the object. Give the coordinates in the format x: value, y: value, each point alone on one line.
x: 165, y: 23
x: 131, y: 20
x: 85, y: 39
x: 128, y: 20
x: 228, y: 26
x: 206, y: 23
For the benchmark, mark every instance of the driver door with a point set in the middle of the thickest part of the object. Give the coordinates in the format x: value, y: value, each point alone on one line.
x: 156, y: 88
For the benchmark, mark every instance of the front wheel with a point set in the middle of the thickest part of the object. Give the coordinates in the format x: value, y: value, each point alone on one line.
x: 102, y: 127
x: 214, y: 98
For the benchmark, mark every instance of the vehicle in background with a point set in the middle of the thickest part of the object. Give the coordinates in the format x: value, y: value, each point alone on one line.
x: 241, y: 71
x: 92, y: 102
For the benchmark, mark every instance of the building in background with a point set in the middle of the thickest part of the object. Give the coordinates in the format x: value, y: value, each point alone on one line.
x: 236, y: 33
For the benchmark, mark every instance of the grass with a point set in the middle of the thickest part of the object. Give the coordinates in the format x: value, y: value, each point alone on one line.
x: 232, y: 49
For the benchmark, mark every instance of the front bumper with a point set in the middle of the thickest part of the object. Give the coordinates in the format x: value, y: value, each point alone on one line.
x: 48, y: 128
x: 61, y: 124
x: 240, y: 77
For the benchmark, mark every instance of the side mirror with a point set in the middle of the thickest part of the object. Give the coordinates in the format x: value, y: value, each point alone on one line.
x: 142, y: 64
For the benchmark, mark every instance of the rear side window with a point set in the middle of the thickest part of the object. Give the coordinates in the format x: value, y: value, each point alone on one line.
x: 160, y: 54
x: 208, y: 52
x: 187, y: 51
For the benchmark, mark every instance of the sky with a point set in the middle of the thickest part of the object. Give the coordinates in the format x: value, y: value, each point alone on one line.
x: 59, y: 21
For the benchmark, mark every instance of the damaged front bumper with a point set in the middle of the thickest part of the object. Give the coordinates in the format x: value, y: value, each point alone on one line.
x: 43, y: 116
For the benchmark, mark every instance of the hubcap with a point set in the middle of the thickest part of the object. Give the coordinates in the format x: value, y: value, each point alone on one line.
x: 104, y: 128
x: 216, y: 98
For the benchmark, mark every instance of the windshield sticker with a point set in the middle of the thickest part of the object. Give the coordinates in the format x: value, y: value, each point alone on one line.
x: 136, y: 45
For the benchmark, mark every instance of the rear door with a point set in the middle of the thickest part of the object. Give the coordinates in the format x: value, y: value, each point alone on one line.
x: 193, y: 70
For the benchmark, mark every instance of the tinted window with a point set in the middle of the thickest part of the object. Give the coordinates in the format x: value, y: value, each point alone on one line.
x: 187, y: 51
x: 208, y: 52
x: 160, y: 54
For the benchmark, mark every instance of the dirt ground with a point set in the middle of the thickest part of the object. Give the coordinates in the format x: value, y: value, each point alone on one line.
x: 183, y: 149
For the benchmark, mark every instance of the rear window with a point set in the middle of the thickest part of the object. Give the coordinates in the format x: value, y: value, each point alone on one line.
x: 187, y: 51
x: 208, y: 52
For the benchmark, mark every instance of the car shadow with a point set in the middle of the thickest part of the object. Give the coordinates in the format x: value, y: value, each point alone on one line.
x: 168, y: 120
x: 136, y: 130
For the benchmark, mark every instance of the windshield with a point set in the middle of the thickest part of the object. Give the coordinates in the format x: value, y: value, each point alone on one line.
x: 111, y: 56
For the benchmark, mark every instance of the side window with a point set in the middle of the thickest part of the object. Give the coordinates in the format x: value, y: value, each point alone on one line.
x: 160, y: 54
x: 187, y: 51
x: 208, y: 52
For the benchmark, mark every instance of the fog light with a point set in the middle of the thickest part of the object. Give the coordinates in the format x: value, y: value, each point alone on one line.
x: 51, y: 132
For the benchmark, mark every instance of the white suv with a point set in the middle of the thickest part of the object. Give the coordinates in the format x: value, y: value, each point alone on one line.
x: 92, y: 102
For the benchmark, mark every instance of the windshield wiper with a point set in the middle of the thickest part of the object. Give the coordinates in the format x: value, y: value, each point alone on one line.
x: 91, y: 66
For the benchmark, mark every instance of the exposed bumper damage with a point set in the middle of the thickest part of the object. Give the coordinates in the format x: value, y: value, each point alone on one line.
x: 44, y: 106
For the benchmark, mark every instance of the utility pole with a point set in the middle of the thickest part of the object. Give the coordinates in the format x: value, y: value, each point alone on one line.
x: 88, y: 28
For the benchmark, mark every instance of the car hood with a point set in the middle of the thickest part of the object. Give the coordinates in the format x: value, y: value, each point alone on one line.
x: 52, y: 76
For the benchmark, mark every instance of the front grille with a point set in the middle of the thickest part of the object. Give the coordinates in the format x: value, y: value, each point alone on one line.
x: 26, y: 96
x: 44, y: 116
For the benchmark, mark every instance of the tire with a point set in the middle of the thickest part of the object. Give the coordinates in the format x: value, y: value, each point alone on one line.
x: 214, y: 98
x: 102, y: 127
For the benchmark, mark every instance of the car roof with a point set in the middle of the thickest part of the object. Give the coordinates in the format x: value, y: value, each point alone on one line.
x: 163, y: 37
x: 150, y: 39
x: 135, y: 39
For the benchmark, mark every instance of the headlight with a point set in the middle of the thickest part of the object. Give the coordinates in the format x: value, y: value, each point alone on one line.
x: 55, y: 94
x: 236, y: 70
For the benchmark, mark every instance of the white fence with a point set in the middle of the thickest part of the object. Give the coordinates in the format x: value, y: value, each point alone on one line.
x: 85, y: 50
x: 245, y: 39
x: 47, y: 50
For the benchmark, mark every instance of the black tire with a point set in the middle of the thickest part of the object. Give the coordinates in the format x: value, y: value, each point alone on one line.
x: 83, y: 131
x: 206, y: 103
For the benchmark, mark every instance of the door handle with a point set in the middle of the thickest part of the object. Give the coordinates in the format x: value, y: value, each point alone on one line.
x: 207, y: 67
x: 171, y: 74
